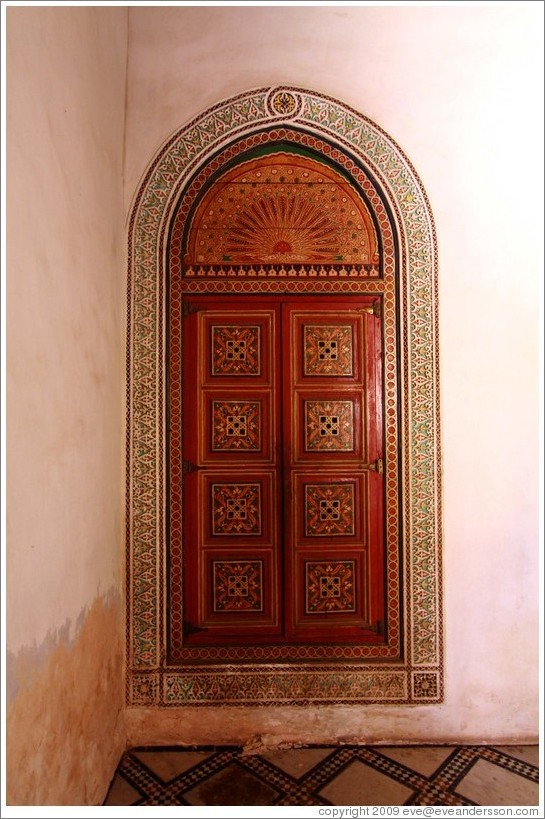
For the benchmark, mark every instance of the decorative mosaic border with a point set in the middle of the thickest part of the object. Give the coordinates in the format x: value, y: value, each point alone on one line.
x: 419, y: 678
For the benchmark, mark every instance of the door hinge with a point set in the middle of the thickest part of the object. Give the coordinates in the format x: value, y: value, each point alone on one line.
x: 189, y: 628
x: 374, y: 309
x: 188, y: 308
x: 376, y: 466
x: 188, y: 467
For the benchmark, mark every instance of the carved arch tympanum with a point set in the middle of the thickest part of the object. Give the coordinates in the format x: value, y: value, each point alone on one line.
x: 283, y: 191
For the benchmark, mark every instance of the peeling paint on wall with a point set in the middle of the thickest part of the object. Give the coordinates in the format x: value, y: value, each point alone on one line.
x: 64, y: 715
x: 268, y: 727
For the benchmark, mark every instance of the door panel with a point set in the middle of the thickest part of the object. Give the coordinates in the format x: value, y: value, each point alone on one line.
x: 331, y: 507
x: 331, y: 436
x: 282, y: 489
x: 236, y: 426
x: 230, y: 490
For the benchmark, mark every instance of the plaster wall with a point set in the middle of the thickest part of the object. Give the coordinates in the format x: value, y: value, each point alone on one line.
x: 66, y: 71
x: 460, y: 89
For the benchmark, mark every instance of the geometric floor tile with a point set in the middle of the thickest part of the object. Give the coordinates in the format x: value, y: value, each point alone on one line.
x: 297, y: 762
x: 490, y: 784
x: 427, y: 775
x: 360, y: 785
x: 170, y: 764
x: 121, y: 793
x: 231, y: 786
x: 526, y: 753
x: 422, y: 758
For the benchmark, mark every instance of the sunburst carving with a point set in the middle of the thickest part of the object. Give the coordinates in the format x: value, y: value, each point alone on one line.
x: 283, y: 228
x: 281, y: 209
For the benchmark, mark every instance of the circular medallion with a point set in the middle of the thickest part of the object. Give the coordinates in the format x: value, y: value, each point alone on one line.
x: 284, y: 103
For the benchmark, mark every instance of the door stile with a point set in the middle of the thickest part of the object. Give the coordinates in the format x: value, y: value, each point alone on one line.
x: 377, y: 476
x: 190, y: 465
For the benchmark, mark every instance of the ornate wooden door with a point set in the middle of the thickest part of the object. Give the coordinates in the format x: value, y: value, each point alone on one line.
x: 283, y: 487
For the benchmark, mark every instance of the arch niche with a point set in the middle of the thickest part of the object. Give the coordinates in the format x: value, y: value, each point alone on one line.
x: 283, y: 194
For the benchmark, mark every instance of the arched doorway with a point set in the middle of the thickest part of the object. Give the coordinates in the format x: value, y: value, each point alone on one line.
x: 293, y: 265
x: 282, y: 540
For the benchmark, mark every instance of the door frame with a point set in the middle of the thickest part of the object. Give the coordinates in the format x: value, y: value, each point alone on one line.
x: 400, y: 202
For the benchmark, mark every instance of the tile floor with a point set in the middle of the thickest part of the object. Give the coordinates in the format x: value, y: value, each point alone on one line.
x: 328, y: 775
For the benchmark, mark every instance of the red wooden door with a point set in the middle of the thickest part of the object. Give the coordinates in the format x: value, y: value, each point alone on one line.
x: 283, y: 487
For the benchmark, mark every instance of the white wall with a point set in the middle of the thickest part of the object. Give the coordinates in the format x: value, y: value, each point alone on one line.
x: 66, y: 69
x: 460, y: 89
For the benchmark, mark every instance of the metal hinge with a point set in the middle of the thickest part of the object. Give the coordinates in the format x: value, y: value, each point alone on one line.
x: 376, y: 466
x: 188, y: 308
x: 377, y: 627
x: 188, y: 467
x: 374, y: 309
x: 189, y: 628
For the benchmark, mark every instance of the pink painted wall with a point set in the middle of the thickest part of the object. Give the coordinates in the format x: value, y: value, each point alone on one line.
x: 65, y: 299
x: 460, y: 89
